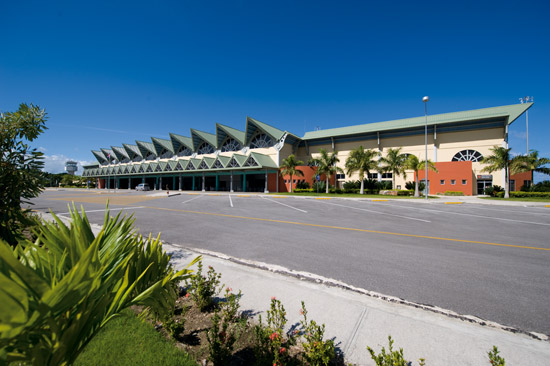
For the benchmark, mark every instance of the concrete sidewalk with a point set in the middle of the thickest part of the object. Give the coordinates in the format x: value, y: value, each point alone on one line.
x: 357, y: 318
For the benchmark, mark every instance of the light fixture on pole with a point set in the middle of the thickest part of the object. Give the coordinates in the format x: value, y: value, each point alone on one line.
x: 526, y: 100
x: 426, y: 99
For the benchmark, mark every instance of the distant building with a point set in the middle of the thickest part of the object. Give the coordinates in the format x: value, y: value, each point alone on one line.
x: 248, y: 160
x: 71, y: 167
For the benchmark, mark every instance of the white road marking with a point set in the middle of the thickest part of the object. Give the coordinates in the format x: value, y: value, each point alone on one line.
x: 230, y: 201
x: 377, y: 212
x: 280, y: 203
x: 194, y: 198
x: 110, y: 209
x: 472, y: 215
x: 507, y: 210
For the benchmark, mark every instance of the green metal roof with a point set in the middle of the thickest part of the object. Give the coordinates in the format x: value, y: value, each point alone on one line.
x: 120, y: 153
x: 511, y: 112
x: 199, y: 136
x: 223, y: 131
x: 102, y: 159
x: 160, y: 144
x: 132, y: 150
x: 224, y: 160
x: 264, y: 160
x: 252, y: 125
x: 178, y: 140
x: 145, y: 148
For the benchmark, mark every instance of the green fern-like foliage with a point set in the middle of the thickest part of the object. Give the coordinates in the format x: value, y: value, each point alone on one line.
x: 57, y: 292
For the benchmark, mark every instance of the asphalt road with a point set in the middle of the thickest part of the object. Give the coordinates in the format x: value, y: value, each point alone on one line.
x: 487, y: 261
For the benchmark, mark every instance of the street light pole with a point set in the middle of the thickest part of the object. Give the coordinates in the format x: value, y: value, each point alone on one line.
x: 426, y: 99
x: 526, y: 100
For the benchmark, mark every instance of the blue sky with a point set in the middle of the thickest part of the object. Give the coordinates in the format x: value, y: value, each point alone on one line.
x: 114, y: 72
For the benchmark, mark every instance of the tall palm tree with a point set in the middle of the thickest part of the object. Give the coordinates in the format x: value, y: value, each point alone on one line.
x: 530, y: 162
x: 361, y: 160
x: 288, y: 167
x: 416, y: 165
x: 326, y: 164
x: 394, y: 162
x: 500, y: 159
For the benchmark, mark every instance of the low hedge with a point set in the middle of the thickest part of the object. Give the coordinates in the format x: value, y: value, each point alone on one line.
x: 520, y: 194
x: 453, y: 193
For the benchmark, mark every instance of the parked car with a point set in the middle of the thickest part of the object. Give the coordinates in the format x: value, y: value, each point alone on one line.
x: 143, y: 187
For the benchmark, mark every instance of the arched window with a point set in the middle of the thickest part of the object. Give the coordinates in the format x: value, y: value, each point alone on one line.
x: 261, y: 140
x: 205, y: 148
x: 184, y: 151
x: 468, y: 155
x: 231, y: 145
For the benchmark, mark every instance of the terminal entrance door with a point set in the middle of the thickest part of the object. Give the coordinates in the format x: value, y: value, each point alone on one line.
x: 484, y: 181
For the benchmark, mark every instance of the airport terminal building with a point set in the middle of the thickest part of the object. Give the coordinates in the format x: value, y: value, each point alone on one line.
x: 248, y: 161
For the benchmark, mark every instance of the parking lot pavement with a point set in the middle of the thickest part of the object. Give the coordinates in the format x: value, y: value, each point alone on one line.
x: 471, y: 259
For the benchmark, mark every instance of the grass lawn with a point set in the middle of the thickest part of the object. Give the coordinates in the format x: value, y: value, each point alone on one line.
x: 525, y: 199
x: 127, y: 341
x: 345, y: 195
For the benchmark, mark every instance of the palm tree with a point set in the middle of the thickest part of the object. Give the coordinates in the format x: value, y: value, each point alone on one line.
x: 530, y: 162
x: 394, y: 162
x: 416, y: 165
x: 288, y: 167
x: 361, y: 160
x: 500, y: 159
x: 326, y: 164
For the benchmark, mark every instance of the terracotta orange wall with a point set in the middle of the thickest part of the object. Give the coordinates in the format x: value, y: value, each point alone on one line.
x: 457, y: 170
x: 309, y: 174
x: 520, y: 179
x: 101, y: 183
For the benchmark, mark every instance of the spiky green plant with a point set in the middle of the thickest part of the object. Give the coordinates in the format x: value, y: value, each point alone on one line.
x: 56, y: 293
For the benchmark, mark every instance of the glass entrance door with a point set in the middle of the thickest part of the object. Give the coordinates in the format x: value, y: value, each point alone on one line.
x: 482, y: 184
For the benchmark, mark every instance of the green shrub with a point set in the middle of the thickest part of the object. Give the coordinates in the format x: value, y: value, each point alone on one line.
x: 225, y: 329
x: 392, y: 358
x: 271, y: 344
x: 411, y: 185
x: 384, y: 185
x: 543, y: 186
x: 300, y: 190
x: 302, y: 185
x: 351, y: 185
x: 494, y: 357
x: 405, y: 192
x: 520, y: 194
x: 319, y: 186
x: 21, y: 176
x: 317, y: 351
x: 57, y: 292
x: 204, y: 288
x: 454, y: 193
x: 336, y: 190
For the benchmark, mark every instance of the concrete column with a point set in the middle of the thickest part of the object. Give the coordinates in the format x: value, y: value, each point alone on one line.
x: 244, y: 182
x: 265, y: 189
x: 435, y: 153
x: 180, y: 182
x: 203, y: 183
x: 160, y: 184
x: 193, y: 187
x: 231, y: 183
x: 174, y: 183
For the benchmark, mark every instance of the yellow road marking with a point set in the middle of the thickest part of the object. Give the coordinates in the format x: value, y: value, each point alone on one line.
x: 454, y: 203
x: 215, y: 194
x: 350, y: 229
x: 379, y: 200
x: 323, y: 198
x: 278, y: 196
x: 243, y: 195
x: 547, y: 206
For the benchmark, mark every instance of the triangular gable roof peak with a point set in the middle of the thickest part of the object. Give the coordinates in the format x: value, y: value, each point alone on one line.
x: 145, y: 148
x: 120, y: 153
x: 224, y: 131
x: 264, y: 160
x: 508, y: 112
x: 178, y: 140
x: 110, y: 153
x: 160, y: 144
x: 102, y: 159
x: 199, y: 136
x: 132, y: 150
x: 252, y: 125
